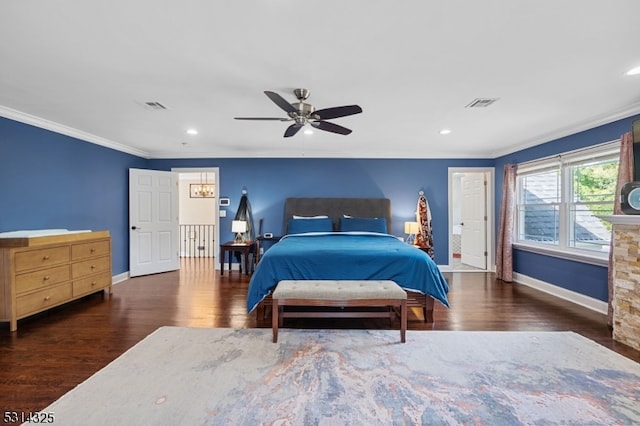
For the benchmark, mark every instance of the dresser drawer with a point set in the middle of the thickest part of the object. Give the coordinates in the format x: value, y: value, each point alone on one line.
x: 42, y: 278
x: 43, y: 299
x: 91, y: 284
x: 92, y: 249
x: 91, y: 266
x: 41, y: 258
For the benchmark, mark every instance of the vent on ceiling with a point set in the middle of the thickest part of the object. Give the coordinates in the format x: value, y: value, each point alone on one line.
x: 481, y: 102
x: 154, y: 105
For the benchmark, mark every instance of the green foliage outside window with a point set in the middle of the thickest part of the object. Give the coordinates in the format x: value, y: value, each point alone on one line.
x: 595, y: 186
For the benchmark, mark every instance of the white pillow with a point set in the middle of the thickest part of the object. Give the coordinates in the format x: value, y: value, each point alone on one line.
x: 310, y: 217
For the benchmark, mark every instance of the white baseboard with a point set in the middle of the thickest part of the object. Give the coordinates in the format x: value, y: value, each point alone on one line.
x: 451, y: 268
x: 562, y: 293
x: 120, y: 277
x: 234, y: 267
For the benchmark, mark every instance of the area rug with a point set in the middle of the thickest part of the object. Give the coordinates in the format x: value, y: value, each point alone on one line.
x: 197, y: 376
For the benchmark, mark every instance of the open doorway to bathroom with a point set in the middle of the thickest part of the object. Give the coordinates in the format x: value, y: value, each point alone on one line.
x: 471, y: 219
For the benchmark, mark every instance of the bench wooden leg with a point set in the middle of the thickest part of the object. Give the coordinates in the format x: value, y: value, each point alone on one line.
x: 274, y: 320
x: 403, y: 321
x: 428, y: 315
x: 428, y: 309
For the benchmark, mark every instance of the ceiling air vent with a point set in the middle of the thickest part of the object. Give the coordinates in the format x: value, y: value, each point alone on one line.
x: 481, y: 102
x: 154, y: 106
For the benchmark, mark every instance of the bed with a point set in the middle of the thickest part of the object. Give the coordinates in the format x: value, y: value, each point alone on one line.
x: 346, y: 239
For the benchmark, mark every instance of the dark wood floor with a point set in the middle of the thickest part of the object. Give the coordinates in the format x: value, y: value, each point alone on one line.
x: 53, y: 352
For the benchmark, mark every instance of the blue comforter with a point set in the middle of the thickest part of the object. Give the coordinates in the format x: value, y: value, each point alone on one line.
x: 346, y: 256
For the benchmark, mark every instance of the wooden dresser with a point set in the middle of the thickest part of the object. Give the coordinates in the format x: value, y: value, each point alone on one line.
x: 38, y: 273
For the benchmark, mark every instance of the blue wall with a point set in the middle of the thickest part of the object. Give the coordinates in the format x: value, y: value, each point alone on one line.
x: 53, y: 181
x: 56, y: 181
x: 270, y: 181
x: 580, y: 277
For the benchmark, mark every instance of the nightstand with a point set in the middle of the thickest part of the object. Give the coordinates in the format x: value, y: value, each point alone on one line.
x: 260, y: 240
x: 244, y: 248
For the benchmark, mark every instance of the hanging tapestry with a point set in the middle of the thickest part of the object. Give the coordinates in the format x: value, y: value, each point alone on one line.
x: 244, y: 213
x: 424, y: 238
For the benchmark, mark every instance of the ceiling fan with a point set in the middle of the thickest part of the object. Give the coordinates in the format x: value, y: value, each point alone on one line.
x: 302, y: 113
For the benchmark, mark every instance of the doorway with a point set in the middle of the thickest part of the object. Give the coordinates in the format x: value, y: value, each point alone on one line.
x: 471, y: 219
x: 155, y: 200
x: 199, y: 192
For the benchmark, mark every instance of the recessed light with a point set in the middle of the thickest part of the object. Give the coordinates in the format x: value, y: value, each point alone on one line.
x: 634, y: 71
x: 445, y: 131
x: 192, y: 132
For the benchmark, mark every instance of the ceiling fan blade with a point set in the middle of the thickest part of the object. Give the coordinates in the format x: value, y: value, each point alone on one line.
x: 280, y: 101
x: 263, y: 118
x: 292, y: 130
x: 336, y: 112
x: 330, y: 127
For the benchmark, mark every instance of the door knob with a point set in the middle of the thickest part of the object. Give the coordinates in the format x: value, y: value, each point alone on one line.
x: 134, y: 227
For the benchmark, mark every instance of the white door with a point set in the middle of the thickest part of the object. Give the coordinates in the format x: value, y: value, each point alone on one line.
x: 474, y: 220
x: 153, y: 222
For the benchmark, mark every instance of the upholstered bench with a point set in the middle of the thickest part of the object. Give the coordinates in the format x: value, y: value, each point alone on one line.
x: 342, y: 294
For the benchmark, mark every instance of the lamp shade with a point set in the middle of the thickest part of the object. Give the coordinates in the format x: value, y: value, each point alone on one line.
x: 411, y: 227
x: 238, y: 226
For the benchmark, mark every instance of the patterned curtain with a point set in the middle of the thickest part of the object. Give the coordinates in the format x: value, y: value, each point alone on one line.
x: 424, y: 238
x: 504, y: 255
x: 625, y: 174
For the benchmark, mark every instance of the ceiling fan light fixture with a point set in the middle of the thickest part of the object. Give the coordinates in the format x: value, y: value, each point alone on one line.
x: 302, y: 113
x: 308, y: 131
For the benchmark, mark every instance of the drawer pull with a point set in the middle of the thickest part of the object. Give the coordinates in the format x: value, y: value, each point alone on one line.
x: 93, y: 266
x: 92, y: 250
x: 47, y: 277
x: 47, y: 298
x: 45, y: 258
x: 93, y: 284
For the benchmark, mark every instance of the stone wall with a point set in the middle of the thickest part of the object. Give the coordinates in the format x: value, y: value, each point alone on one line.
x: 626, y: 288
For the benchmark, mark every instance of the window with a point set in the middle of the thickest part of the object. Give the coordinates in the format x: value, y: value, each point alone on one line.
x: 559, y: 199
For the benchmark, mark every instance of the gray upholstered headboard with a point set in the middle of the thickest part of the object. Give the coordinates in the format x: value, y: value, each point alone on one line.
x: 336, y: 207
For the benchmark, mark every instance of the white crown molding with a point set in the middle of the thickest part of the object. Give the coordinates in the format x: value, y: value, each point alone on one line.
x: 591, y: 123
x: 88, y: 137
x: 68, y: 131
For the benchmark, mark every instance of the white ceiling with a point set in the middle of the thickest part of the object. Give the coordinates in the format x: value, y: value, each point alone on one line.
x: 87, y: 68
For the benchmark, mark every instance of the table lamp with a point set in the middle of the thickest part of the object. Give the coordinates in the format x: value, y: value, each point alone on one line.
x: 411, y: 228
x: 239, y: 227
